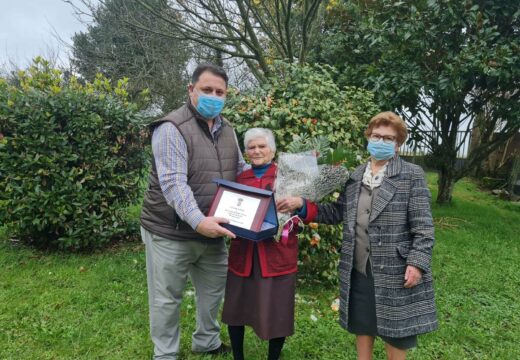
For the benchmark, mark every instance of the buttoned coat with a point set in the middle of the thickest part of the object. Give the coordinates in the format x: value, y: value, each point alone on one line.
x: 401, y: 233
x: 275, y: 257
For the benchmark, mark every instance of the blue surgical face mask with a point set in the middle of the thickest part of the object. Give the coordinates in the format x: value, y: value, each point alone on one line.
x: 381, y: 150
x: 210, y: 106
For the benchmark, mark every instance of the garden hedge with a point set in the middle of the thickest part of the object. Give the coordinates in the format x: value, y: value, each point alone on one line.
x: 71, y: 157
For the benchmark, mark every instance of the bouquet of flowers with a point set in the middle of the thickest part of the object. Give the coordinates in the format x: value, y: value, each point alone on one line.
x: 300, y: 174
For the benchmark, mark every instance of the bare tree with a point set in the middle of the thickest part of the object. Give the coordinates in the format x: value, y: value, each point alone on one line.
x: 257, y: 31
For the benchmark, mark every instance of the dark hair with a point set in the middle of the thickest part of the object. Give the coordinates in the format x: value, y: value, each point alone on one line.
x: 214, y: 69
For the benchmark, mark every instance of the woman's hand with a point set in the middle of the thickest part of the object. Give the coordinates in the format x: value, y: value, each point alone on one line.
x: 289, y: 204
x: 412, y: 276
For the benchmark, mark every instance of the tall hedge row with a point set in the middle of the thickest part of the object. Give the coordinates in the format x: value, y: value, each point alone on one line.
x: 71, y: 155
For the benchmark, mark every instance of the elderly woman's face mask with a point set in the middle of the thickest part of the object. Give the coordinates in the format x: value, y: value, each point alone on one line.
x: 259, y: 152
x: 382, y: 143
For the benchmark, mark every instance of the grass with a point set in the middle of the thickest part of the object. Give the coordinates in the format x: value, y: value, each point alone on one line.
x: 63, y: 306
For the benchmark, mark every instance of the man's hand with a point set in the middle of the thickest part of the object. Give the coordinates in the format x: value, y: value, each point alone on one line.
x: 289, y: 204
x: 210, y: 227
x: 412, y: 276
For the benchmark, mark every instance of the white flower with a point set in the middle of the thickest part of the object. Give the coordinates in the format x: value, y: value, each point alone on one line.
x: 300, y: 299
x: 314, y: 318
x: 335, y: 305
x: 190, y: 293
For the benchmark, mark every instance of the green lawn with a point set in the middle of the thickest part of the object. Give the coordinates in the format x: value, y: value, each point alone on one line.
x: 60, y: 306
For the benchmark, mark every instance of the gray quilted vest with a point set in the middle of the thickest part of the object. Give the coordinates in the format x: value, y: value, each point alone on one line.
x: 208, y: 159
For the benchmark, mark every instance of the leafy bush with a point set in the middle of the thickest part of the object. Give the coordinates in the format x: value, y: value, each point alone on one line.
x: 70, y: 158
x: 302, y: 104
x: 304, y: 100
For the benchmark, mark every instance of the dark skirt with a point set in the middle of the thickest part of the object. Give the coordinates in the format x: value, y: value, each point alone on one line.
x: 362, y: 318
x: 265, y: 304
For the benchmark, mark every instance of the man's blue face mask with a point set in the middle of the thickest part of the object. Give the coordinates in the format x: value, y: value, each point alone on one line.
x: 210, y: 106
x: 381, y: 150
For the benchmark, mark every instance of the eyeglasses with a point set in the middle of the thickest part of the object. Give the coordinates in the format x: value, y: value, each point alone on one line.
x: 387, y: 139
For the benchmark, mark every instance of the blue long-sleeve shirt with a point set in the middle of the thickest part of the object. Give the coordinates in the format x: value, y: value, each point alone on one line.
x: 171, y: 160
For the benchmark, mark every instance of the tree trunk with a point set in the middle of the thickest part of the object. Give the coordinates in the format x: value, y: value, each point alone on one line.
x: 446, y: 184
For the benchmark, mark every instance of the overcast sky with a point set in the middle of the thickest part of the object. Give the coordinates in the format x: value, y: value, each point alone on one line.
x: 28, y: 27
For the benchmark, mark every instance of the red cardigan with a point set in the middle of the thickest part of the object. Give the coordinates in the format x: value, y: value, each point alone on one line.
x: 276, y: 257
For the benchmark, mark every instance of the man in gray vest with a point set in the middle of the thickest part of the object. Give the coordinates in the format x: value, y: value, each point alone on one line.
x: 191, y: 146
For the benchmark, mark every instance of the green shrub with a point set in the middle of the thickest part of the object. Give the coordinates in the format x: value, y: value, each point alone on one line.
x: 303, y: 102
x: 71, y: 155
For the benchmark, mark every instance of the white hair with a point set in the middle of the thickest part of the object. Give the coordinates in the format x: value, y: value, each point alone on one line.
x: 255, y: 133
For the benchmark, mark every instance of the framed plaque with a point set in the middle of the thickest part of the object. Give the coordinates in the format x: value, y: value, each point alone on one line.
x: 251, y: 211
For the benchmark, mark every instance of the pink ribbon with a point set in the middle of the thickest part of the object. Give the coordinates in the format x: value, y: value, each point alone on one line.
x: 285, y: 234
x: 287, y: 228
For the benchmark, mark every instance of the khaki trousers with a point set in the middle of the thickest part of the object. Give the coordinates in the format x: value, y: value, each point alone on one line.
x: 168, y: 265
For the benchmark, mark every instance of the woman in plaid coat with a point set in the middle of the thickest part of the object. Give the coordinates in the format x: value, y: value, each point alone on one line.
x: 386, y: 285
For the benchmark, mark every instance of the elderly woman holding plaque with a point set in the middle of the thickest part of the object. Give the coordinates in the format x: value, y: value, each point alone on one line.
x: 261, y: 275
x: 386, y: 285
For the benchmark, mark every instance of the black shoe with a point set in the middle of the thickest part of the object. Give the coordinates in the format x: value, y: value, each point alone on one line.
x: 221, y: 350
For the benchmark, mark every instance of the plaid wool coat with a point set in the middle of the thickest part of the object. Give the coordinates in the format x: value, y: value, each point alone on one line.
x: 400, y: 233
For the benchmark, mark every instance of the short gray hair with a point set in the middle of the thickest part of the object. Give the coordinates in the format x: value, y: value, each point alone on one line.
x: 255, y: 133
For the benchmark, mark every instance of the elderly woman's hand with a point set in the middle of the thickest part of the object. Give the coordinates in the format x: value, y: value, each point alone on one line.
x: 289, y: 204
x: 412, y: 276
